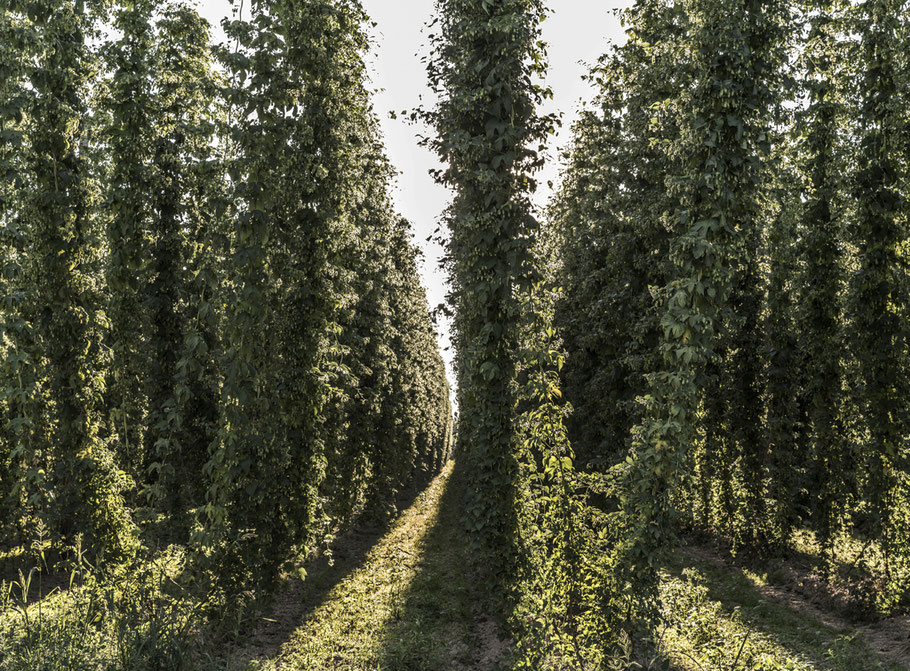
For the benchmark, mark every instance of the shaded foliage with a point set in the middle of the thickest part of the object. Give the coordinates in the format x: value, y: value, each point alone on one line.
x: 214, y: 332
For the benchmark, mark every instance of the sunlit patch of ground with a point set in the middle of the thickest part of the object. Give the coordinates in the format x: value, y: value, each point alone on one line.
x: 412, y: 603
x: 722, y: 617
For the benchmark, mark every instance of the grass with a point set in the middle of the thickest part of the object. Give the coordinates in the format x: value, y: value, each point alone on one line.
x: 95, y: 623
x: 406, y: 598
x: 719, y: 618
x: 402, y: 598
x: 410, y: 605
x: 441, y: 624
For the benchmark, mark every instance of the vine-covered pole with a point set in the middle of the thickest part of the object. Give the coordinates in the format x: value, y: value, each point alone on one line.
x: 783, y: 353
x: 84, y: 479
x: 725, y: 121
x: 486, y: 59
x: 820, y: 244
x: 127, y: 204
x: 881, y: 288
x: 186, y: 184
x: 17, y: 367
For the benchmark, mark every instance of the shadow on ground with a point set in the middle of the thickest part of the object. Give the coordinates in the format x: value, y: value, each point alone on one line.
x: 443, y: 622
x: 296, y: 599
x: 802, y: 630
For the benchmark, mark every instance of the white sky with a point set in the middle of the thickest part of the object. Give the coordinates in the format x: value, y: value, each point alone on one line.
x: 578, y: 32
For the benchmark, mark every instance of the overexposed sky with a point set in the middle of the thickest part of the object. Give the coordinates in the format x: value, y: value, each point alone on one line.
x: 577, y: 32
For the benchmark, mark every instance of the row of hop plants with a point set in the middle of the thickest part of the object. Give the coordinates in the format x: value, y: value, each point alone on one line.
x: 212, y: 330
x: 733, y: 223
x: 708, y: 330
x: 541, y: 538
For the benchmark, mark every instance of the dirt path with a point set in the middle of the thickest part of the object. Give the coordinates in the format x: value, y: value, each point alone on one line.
x: 887, y: 641
x: 405, y: 601
x: 888, y: 638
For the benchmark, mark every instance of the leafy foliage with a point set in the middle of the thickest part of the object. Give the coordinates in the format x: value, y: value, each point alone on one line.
x: 729, y: 222
x: 213, y: 328
x: 213, y: 337
x: 487, y: 54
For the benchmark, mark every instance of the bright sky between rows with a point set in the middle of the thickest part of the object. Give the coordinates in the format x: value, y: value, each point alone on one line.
x: 578, y: 32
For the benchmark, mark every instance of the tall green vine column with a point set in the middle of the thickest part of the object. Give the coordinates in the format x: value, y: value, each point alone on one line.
x: 17, y: 371
x: 820, y: 243
x: 735, y: 47
x: 128, y: 204
x: 783, y: 355
x: 246, y: 450
x: 881, y: 299
x: 611, y: 208
x: 486, y: 58
x: 300, y: 142
x: 84, y: 478
x: 746, y: 406
x: 181, y: 385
